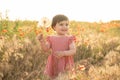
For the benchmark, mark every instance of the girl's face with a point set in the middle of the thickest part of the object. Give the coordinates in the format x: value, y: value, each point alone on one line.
x: 61, y: 28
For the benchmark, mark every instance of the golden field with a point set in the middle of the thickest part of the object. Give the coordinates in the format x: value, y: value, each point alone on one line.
x: 97, y: 56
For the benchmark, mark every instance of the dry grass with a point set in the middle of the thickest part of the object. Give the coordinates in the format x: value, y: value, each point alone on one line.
x: 97, y: 58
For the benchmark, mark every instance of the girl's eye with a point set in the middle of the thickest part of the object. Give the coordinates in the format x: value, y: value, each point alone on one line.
x: 66, y: 24
x: 61, y: 24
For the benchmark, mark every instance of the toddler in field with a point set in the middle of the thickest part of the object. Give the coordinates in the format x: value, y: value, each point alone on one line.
x: 62, y: 46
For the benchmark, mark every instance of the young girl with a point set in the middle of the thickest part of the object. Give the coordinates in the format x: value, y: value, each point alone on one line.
x: 62, y: 46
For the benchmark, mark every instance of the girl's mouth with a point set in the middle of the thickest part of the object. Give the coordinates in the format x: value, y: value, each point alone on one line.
x: 64, y: 30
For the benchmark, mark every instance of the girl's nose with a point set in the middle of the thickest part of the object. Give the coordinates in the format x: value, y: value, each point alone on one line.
x: 65, y: 26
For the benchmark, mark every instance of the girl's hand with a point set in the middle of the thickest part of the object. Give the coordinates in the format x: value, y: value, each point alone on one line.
x: 59, y: 54
x: 40, y: 37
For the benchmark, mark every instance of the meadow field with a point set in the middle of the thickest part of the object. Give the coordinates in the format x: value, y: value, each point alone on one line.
x: 97, y: 56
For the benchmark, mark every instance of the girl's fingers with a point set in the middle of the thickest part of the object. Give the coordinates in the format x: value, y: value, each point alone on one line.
x: 40, y: 36
x: 57, y: 54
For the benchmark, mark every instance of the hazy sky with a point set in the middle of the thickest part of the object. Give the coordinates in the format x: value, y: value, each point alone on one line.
x: 81, y: 10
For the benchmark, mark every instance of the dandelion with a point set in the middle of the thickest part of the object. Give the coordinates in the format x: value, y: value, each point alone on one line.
x: 44, y: 22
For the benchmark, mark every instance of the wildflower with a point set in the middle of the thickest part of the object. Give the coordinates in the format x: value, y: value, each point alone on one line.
x: 102, y: 30
x: 4, y: 30
x: 21, y: 34
x: 47, y: 29
x: 38, y: 31
x: 81, y: 67
x: 82, y: 29
x: 20, y: 30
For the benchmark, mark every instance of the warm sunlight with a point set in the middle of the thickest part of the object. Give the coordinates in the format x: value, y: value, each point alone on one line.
x: 33, y: 46
x: 82, y: 10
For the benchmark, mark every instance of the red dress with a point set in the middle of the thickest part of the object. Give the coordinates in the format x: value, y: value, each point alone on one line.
x: 54, y: 65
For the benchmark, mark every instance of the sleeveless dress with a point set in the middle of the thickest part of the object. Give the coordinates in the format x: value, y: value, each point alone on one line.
x: 56, y: 65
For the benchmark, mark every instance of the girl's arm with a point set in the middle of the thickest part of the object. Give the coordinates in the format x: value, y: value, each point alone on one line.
x: 44, y: 45
x: 70, y: 52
